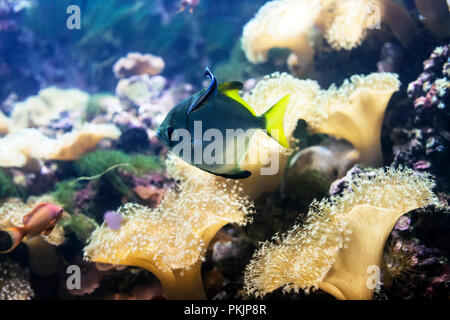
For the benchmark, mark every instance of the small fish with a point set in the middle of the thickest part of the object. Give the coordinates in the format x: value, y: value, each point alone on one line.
x: 191, y: 4
x: 220, y: 107
x: 40, y: 221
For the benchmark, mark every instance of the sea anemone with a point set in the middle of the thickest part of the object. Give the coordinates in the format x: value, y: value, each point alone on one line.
x: 170, y: 241
x: 342, y: 238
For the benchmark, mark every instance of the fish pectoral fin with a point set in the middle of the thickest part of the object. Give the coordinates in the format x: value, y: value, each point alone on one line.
x: 231, y: 90
x: 49, y: 228
x: 47, y: 231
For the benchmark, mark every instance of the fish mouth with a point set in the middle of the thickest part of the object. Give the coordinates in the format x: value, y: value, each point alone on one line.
x: 161, y: 137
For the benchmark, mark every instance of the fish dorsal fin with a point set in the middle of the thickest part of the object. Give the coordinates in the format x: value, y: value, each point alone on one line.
x: 231, y: 90
x: 211, y: 90
x: 27, y: 217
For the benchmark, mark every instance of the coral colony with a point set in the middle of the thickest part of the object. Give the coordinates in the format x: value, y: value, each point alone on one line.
x: 340, y: 191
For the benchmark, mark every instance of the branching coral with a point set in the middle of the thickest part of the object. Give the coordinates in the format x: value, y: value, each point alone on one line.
x: 294, y: 24
x: 14, y: 281
x: 26, y: 147
x: 342, y: 237
x: 354, y: 112
x: 170, y: 241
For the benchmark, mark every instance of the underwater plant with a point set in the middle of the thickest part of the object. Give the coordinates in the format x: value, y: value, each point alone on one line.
x: 170, y: 241
x: 111, y: 177
x: 8, y: 188
x: 100, y: 164
x: 354, y: 111
x: 299, y: 24
x: 342, y: 238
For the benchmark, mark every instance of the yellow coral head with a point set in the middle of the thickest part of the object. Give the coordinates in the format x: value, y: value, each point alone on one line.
x: 342, y: 239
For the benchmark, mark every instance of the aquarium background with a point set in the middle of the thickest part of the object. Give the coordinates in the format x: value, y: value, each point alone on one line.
x: 79, y: 110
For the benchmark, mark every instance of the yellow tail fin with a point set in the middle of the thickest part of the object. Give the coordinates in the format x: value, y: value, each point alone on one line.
x: 275, y: 121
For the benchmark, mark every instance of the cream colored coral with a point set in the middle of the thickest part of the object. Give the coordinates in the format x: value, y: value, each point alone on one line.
x: 25, y: 148
x: 171, y: 240
x: 47, y: 105
x: 74, y: 144
x: 293, y: 24
x: 281, y: 24
x: 5, y: 124
x: 342, y: 237
x: 13, y: 210
x: 354, y: 112
x: 136, y: 64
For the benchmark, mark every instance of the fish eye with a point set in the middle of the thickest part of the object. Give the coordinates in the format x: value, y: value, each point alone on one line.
x: 169, y: 132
